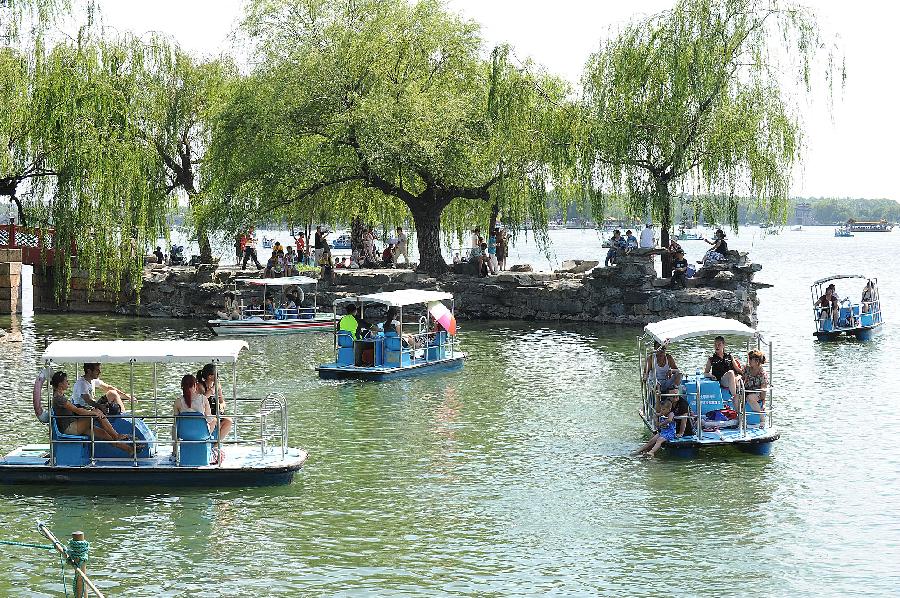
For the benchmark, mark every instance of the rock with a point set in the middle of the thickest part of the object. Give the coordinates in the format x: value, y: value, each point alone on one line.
x: 521, y: 268
x: 577, y: 266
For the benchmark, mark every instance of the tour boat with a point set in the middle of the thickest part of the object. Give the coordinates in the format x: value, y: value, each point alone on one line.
x: 862, y: 319
x: 379, y: 355
x: 869, y: 226
x: 255, y: 452
x: 843, y: 231
x: 747, y: 430
x: 279, y: 319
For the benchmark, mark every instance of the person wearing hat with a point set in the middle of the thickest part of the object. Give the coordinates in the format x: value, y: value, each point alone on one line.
x: 679, y: 270
x: 648, y: 237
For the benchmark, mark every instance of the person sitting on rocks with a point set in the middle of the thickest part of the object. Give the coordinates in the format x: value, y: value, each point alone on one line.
x: 718, y: 251
x: 679, y: 270
x: 160, y: 258
x: 616, y: 245
x: 387, y: 256
x: 631, y: 241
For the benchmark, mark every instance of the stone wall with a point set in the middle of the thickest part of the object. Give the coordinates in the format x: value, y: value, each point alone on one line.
x: 10, y: 280
x: 628, y: 293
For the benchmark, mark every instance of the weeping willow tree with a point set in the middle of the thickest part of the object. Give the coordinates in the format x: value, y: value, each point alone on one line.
x: 73, y: 157
x: 381, y: 110
x: 698, y: 98
x: 179, y: 95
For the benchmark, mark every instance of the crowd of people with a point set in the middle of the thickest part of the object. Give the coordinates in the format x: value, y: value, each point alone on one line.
x: 77, y: 413
x: 488, y: 257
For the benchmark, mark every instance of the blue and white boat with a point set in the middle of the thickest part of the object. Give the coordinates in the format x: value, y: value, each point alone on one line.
x: 862, y: 319
x: 342, y: 242
x: 748, y: 430
x: 165, y: 449
x: 241, y: 318
x: 421, y: 349
x: 843, y: 231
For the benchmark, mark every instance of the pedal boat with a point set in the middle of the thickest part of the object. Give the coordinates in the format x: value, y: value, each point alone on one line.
x: 751, y: 432
x: 283, y: 320
x: 861, y: 320
x: 384, y: 356
x: 255, y: 453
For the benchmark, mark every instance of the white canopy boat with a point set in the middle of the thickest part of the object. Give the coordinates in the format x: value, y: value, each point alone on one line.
x: 279, y: 317
x: 254, y: 452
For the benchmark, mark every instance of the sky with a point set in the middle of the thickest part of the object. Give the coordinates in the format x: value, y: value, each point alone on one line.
x: 850, y: 150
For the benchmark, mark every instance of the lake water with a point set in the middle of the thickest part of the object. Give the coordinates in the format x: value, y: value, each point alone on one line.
x: 510, y: 477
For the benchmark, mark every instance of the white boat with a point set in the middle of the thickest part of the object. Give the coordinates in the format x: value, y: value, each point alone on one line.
x: 751, y: 431
x: 255, y: 452
x: 277, y: 318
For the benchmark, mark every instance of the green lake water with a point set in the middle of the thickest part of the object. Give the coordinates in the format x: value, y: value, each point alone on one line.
x: 510, y: 477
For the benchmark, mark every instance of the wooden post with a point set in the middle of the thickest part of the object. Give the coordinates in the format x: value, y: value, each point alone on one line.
x: 79, y: 580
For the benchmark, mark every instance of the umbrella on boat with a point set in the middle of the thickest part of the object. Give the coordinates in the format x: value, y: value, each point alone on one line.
x: 443, y: 316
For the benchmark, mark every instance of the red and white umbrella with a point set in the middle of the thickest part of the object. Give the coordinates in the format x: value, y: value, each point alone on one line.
x: 443, y: 316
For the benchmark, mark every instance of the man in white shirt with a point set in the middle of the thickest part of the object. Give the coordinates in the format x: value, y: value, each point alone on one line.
x: 83, y: 392
x: 648, y: 239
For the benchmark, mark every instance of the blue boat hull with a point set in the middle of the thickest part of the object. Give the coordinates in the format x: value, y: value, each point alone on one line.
x: 333, y: 371
x: 862, y: 333
x: 145, y: 476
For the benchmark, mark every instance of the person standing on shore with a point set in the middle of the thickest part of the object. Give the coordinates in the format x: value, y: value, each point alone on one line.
x: 502, y: 248
x: 648, y: 238
x: 319, y: 243
x: 400, y: 247
x: 250, y: 251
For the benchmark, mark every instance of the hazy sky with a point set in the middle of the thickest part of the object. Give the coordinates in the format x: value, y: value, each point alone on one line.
x: 850, y: 152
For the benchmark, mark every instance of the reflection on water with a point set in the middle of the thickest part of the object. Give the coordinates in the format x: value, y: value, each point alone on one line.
x: 510, y: 476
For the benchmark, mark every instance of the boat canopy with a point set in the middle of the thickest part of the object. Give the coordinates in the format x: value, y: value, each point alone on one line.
x: 398, y: 298
x: 169, y: 351
x: 676, y: 329
x: 284, y: 281
x: 837, y: 277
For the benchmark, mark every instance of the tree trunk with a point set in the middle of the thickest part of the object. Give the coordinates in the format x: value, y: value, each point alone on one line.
x: 206, y: 256
x: 495, y: 213
x: 357, y: 231
x: 665, y: 203
x: 19, y: 209
x: 428, y: 238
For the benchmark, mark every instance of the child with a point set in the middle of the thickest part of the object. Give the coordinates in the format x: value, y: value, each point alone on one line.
x: 665, y: 430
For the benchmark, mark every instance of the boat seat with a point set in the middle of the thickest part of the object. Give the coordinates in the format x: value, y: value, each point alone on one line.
x: 394, y: 355
x: 191, y: 426
x: 437, y: 348
x: 712, y: 395
x: 69, y: 452
x: 345, y: 348
x: 142, y: 433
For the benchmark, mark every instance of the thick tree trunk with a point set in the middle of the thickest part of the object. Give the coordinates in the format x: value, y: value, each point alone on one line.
x: 206, y: 256
x: 19, y: 209
x: 665, y: 203
x: 428, y: 237
x: 495, y: 213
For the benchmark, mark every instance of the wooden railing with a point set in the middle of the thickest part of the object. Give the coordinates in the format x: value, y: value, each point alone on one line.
x: 37, y: 244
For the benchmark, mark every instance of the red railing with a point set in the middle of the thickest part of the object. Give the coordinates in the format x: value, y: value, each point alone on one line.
x: 37, y: 244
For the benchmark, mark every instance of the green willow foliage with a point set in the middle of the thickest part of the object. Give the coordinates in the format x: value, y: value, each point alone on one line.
x: 382, y: 110
x: 695, y: 100
x: 91, y: 126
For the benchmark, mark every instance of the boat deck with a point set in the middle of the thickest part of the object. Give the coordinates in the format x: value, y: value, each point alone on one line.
x: 417, y: 366
x: 241, y: 465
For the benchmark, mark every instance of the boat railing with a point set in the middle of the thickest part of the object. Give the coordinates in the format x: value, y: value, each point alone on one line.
x: 425, y: 342
x: 269, y: 418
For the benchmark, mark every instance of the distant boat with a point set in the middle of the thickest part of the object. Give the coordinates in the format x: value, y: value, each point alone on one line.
x: 689, y: 235
x: 842, y: 231
x: 869, y: 226
x: 342, y: 242
x: 797, y: 228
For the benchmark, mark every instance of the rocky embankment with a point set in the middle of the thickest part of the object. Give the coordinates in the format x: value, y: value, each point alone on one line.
x: 628, y: 293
